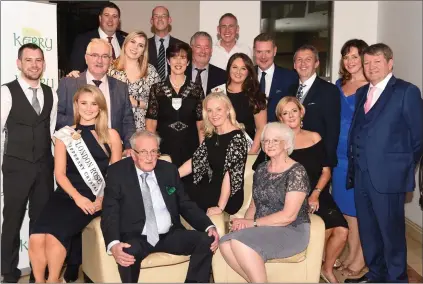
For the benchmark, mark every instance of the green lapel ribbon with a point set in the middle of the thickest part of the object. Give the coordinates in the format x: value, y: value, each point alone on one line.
x: 170, y: 189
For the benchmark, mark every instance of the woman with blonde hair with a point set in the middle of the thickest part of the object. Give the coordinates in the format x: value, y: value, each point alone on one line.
x: 132, y: 68
x: 82, y: 153
x: 218, y: 164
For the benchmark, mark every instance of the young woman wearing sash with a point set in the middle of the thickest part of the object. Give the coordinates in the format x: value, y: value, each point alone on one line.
x: 82, y: 154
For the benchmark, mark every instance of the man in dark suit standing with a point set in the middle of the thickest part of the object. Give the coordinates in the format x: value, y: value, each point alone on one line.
x: 200, y: 70
x: 157, y: 45
x: 321, y: 100
x: 385, y: 145
x: 274, y: 81
x: 143, y: 201
x: 109, y: 19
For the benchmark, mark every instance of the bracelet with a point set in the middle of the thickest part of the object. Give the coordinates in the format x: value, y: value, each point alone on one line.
x: 219, y: 208
x: 318, y: 190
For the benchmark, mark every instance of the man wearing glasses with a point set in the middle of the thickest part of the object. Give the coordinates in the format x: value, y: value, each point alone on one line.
x: 157, y: 45
x: 98, y: 57
x: 228, y: 31
x: 144, y: 198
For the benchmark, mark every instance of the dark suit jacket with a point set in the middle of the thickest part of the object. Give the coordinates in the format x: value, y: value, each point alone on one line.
x: 323, y: 114
x: 123, y: 208
x: 122, y: 117
x: 77, y: 57
x: 216, y: 76
x: 152, y: 50
x: 282, y: 80
x: 395, y: 137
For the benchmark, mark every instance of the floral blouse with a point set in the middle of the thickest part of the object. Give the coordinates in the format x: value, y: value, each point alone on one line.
x: 139, y: 90
x: 235, y: 159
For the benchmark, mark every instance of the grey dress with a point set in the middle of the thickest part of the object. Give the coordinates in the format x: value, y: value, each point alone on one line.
x: 269, y: 191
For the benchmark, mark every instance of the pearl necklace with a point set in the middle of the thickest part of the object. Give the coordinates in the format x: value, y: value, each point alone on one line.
x: 177, y: 86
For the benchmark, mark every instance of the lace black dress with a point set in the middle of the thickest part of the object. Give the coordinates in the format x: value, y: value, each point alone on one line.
x: 176, y: 127
x: 61, y: 217
x: 217, y: 155
x: 269, y: 192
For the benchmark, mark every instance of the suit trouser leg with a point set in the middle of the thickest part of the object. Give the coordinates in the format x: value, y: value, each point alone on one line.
x: 193, y: 243
x: 370, y: 234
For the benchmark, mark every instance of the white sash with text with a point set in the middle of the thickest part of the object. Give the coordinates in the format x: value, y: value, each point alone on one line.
x: 82, y: 158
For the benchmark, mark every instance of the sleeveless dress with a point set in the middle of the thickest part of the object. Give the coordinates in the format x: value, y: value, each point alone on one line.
x: 269, y: 192
x: 343, y: 197
x: 61, y: 217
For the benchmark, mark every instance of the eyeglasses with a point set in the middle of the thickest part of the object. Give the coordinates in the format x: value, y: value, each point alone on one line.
x: 164, y: 16
x: 145, y: 153
x: 97, y: 56
x: 267, y: 142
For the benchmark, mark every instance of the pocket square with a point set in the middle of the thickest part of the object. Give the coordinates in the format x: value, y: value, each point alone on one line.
x: 309, y: 104
x: 278, y: 91
x: 170, y: 189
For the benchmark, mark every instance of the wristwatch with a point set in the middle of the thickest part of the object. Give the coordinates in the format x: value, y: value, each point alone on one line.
x: 255, y: 223
x: 318, y: 190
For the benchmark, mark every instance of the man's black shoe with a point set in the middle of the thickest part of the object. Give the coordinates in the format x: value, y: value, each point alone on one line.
x: 12, y: 277
x: 362, y: 279
x: 71, y: 273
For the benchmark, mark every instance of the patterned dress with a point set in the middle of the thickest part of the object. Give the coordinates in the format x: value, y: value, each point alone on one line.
x: 269, y: 193
x: 139, y: 90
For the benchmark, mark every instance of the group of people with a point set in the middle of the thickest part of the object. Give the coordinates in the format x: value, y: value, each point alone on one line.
x: 130, y: 99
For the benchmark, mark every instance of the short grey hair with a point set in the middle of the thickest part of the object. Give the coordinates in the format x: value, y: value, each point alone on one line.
x: 143, y: 133
x: 308, y: 47
x: 98, y: 41
x: 201, y: 33
x: 284, y: 131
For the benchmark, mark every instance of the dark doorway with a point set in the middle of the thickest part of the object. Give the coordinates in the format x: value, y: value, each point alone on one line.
x: 73, y: 18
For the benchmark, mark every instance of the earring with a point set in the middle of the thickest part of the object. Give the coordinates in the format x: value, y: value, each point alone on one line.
x: 301, y: 123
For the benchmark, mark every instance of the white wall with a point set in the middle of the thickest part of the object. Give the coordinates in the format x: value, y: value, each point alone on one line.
x: 400, y: 27
x: 352, y: 19
x: 247, y: 13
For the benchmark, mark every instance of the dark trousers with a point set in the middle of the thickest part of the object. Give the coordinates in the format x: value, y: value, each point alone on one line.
x: 381, y: 224
x: 74, y: 256
x: 23, y: 181
x: 178, y: 242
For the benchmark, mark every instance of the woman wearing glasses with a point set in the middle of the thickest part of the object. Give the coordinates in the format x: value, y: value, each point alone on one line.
x: 174, y: 108
x: 218, y: 164
x: 310, y: 152
x: 276, y: 224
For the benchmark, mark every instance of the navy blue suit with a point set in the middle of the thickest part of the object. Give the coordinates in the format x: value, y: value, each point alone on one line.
x: 383, y: 149
x: 282, y: 80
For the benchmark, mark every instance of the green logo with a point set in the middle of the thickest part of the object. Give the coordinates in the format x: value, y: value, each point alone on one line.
x: 23, y: 245
x: 29, y: 35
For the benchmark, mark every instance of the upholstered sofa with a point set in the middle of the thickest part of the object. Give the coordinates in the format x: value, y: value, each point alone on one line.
x: 303, y: 267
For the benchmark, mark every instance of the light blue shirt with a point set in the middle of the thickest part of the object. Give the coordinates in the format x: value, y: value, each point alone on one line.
x: 204, y: 76
x: 165, y: 44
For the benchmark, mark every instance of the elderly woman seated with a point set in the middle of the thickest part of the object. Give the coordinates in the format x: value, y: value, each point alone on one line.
x: 276, y: 225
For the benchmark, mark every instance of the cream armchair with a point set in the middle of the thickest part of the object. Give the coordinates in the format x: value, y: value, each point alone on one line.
x: 303, y: 267
x: 98, y: 266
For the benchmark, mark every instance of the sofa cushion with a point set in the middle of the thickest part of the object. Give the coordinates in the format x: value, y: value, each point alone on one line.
x: 163, y: 259
x: 292, y: 259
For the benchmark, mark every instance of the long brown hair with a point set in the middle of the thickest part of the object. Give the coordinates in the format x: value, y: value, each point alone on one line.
x: 251, y: 85
x: 361, y: 45
x: 101, y: 125
x: 119, y: 63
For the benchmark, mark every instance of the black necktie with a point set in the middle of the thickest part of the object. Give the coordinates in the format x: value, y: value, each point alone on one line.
x: 198, y: 80
x: 161, y: 68
x: 263, y: 82
x: 97, y: 83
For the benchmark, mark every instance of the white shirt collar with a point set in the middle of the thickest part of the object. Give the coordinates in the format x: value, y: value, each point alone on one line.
x: 24, y: 84
x: 269, y: 70
x: 150, y: 174
x: 310, y: 80
x: 219, y: 41
x: 90, y: 77
x: 382, y: 84
x: 103, y: 34
x: 206, y: 68
x: 166, y: 38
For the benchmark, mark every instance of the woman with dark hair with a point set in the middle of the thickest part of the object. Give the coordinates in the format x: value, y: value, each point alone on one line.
x: 352, y: 78
x: 242, y: 88
x: 175, y: 108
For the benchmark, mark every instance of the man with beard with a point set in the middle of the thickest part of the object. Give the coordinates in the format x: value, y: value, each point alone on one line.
x: 157, y: 45
x: 28, y: 118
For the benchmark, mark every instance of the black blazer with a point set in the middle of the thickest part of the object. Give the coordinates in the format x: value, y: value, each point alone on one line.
x: 216, y: 76
x: 123, y: 209
x: 77, y: 57
x: 152, y: 50
x: 323, y: 114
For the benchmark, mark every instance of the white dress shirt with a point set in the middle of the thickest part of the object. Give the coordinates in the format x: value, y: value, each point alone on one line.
x: 307, y: 84
x: 268, y: 79
x: 220, y: 56
x: 380, y: 87
x: 115, y: 42
x: 104, y: 87
x: 166, y: 45
x: 6, y: 105
x: 204, y: 76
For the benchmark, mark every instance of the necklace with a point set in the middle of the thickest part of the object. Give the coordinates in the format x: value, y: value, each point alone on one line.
x: 177, y: 86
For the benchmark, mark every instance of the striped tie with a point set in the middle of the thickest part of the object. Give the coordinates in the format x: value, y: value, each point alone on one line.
x: 161, y: 61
